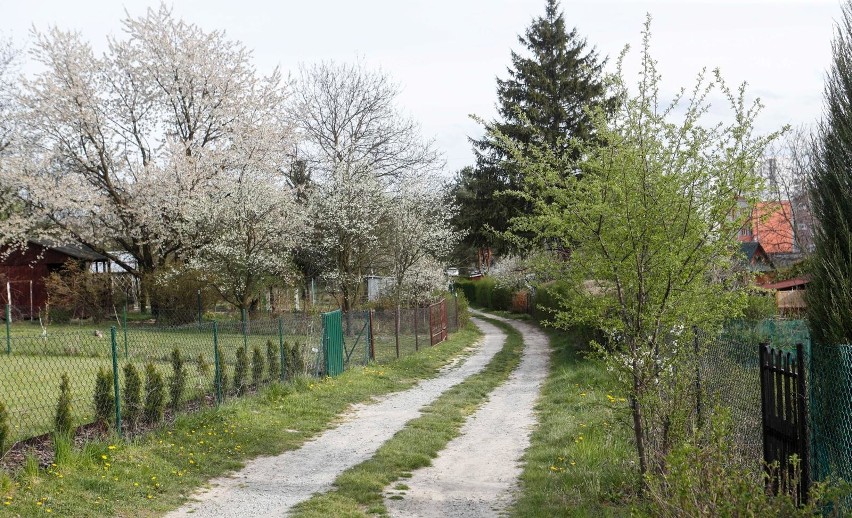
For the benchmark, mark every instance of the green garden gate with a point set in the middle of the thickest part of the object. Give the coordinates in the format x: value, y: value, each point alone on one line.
x: 332, y: 342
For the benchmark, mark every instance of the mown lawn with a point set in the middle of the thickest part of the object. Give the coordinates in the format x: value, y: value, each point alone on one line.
x: 156, y: 473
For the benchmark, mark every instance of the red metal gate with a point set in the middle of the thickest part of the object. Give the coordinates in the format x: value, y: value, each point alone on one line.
x: 438, y: 322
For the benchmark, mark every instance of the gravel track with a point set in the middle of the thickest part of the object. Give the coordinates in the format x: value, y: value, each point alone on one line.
x: 476, y: 474
x: 271, y: 486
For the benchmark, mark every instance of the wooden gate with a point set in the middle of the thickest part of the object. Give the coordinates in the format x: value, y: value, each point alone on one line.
x: 438, y: 322
x: 785, y: 430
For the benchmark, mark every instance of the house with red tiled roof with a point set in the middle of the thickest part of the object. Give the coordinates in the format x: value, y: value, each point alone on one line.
x: 772, y: 224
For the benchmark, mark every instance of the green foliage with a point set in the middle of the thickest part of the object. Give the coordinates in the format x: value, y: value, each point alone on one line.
x: 295, y: 360
x: 240, y: 369
x: 155, y: 395
x: 705, y: 477
x: 649, y: 224
x: 546, y: 98
x: 63, y: 443
x: 463, y: 309
x: 131, y: 405
x: 273, y: 360
x: 257, y: 366
x: 760, y: 305
x: 5, y: 431
x: 467, y: 287
x: 104, y: 399
x: 829, y: 298
x: 177, y: 382
x: 62, y: 421
x: 202, y: 365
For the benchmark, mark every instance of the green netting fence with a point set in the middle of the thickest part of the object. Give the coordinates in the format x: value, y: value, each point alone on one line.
x: 730, y: 376
x: 220, y: 359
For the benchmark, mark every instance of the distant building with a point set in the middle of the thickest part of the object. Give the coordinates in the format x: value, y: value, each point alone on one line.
x: 23, y: 273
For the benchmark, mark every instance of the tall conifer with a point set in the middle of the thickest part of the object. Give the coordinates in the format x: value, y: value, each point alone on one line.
x: 549, y: 87
x: 829, y: 293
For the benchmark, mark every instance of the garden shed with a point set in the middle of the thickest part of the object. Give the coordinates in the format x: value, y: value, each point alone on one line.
x: 23, y: 273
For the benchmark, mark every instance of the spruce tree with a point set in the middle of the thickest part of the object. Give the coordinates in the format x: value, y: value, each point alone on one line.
x: 545, y: 98
x: 828, y: 295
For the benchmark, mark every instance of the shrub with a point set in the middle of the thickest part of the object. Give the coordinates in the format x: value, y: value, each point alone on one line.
x: 202, y: 366
x: 5, y: 431
x: 295, y: 360
x: 223, y: 380
x: 257, y: 366
x: 177, y: 383
x: 467, y: 287
x: 62, y: 420
x: 104, y: 399
x: 155, y: 397
x: 273, y: 360
x: 132, y: 396
x: 240, y: 371
x: 705, y: 477
x: 548, y: 299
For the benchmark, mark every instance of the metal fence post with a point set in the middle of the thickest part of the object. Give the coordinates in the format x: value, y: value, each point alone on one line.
x: 802, y: 421
x: 396, y: 328
x: 283, y: 371
x: 199, y: 307
x: 115, y: 381
x: 372, y: 338
x: 124, y: 328
x: 245, y: 330
x: 8, y: 329
x: 696, y: 347
x: 217, y: 374
x: 416, y: 339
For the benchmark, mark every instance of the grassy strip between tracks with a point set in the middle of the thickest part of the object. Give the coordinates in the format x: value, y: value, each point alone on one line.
x: 359, y: 490
x: 157, y: 472
x: 580, y: 459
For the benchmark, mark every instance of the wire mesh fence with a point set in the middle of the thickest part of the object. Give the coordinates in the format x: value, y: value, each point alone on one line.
x: 216, y: 359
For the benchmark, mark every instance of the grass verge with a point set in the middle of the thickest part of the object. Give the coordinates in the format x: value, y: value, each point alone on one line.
x: 359, y: 490
x: 156, y: 473
x: 580, y: 460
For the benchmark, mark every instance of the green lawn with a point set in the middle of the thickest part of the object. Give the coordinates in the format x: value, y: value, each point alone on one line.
x: 153, y: 474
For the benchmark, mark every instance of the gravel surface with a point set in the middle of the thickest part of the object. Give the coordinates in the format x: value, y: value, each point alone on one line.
x: 477, y: 473
x: 271, y: 486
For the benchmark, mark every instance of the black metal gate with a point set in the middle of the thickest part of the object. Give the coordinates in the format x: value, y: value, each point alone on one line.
x: 784, y: 409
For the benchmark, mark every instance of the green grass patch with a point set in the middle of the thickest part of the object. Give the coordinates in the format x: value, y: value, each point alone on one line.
x: 156, y: 473
x: 581, y: 458
x: 359, y: 490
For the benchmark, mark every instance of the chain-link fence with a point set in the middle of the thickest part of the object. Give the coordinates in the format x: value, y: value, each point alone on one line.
x: 218, y: 359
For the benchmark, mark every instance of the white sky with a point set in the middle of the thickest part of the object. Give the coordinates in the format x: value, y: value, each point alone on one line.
x: 446, y: 54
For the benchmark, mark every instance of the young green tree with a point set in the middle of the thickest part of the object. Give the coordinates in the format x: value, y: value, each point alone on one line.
x: 828, y: 295
x: 551, y: 86
x: 653, y: 223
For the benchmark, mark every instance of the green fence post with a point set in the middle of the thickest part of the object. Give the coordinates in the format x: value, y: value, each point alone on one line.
x: 283, y: 371
x: 115, y: 382
x: 124, y: 327
x: 217, y: 374
x: 199, y: 308
x: 245, y: 331
x: 8, y: 329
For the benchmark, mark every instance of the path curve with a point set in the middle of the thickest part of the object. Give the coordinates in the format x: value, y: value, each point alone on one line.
x: 476, y: 474
x: 271, y: 486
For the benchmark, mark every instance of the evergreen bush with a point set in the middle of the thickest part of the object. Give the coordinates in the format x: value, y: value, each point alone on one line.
x: 155, y: 397
x: 62, y: 420
x: 104, y: 399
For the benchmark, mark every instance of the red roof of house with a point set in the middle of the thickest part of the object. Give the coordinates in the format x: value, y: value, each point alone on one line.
x: 771, y: 226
